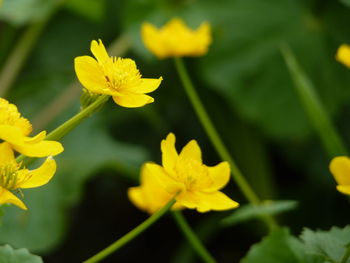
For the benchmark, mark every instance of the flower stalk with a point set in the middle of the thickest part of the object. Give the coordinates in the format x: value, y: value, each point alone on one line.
x: 192, y: 238
x: 131, y: 235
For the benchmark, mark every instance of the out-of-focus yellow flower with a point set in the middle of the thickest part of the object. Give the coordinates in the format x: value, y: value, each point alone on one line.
x: 150, y: 195
x: 343, y: 55
x: 15, y: 129
x: 183, y: 176
x: 14, y: 177
x: 175, y: 39
x: 118, y: 77
x: 340, y: 168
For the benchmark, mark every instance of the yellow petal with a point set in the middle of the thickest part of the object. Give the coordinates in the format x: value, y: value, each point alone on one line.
x: 40, y: 149
x: 188, y: 199
x: 146, y: 85
x: 6, y: 154
x: 340, y: 168
x: 345, y: 189
x: 152, y: 40
x: 41, y: 175
x: 191, y: 152
x: 220, y: 175
x: 99, y: 51
x: 215, y: 201
x: 163, y: 179
x: 343, y: 55
x: 90, y: 74
x: 6, y: 197
x: 132, y: 100
x: 37, y: 138
x: 11, y: 134
x: 150, y: 196
x: 169, y: 153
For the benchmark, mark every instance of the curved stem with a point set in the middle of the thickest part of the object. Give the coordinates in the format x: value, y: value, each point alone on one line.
x: 192, y: 238
x: 212, y: 133
x: 67, y: 126
x: 216, y: 140
x: 131, y: 235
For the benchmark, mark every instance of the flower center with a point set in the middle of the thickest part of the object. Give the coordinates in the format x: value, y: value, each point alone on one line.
x: 9, y: 115
x: 8, y: 176
x: 193, y: 174
x: 121, y: 74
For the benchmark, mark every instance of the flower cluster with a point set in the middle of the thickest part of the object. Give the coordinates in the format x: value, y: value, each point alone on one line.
x: 14, y: 131
x: 185, y: 177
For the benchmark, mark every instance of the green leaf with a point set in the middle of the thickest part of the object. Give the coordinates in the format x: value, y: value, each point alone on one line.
x: 87, y: 149
x: 93, y: 10
x: 250, y: 211
x: 279, y: 246
x: 22, y: 255
x: 20, y: 12
x: 346, y: 2
x: 330, y: 244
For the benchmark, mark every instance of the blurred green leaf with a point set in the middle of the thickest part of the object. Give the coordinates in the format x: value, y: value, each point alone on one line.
x: 244, y: 65
x: 20, y: 12
x: 250, y: 211
x: 22, y: 255
x: 346, y: 2
x: 279, y: 246
x: 330, y: 244
x: 87, y: 149
x: 93, y: 10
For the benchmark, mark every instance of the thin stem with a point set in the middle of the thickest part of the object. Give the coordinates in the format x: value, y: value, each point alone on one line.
x: 131, y: 235
x: 313, y: 106
x: 215, y: 138
x: 212, y: 133
x: 67, y: 126
x: 192, y: 238
x: 346, y: 255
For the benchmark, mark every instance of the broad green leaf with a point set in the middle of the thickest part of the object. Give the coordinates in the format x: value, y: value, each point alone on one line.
x: 87, y: 149
x: 279, y: 246
x: 93, y: 10
x: 330, y: 244
x: 22, y: 255
x: 248, y: 212
x: 20, y: 12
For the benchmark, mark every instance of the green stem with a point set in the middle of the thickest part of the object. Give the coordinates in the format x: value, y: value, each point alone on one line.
x: 216, y: 140
x: 212, y: 133
x: 313, y: 106
x: 192, y: 238
x: 346, y: 255
x: 67, y: 126
x: 131, y: 235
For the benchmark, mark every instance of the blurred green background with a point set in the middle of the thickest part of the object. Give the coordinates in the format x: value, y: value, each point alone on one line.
x: 245, y: 85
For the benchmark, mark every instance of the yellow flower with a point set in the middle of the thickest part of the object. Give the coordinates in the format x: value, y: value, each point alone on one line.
x: 15, y: 129
x: 343, y: 55
x: 14, y: 177
x: 118, y: 77
x: 150, y: 196
x: 340, y: 168
x: 195, y: 185
x: 175, y: 39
